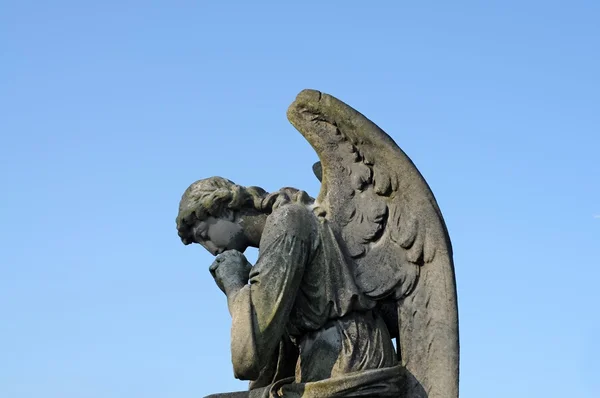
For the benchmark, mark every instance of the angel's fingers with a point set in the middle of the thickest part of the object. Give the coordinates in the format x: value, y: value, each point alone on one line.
x: 213, y: 269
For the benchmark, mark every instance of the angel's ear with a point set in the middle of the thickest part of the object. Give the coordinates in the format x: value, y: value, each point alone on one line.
x: 318, y: 170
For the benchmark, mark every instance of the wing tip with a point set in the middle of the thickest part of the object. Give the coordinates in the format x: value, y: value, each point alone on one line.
x: 309, y: 94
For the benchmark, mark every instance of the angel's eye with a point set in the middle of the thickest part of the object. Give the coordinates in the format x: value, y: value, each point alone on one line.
x: 201, y: 231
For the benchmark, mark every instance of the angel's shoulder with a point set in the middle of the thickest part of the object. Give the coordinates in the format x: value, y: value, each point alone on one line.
x: 294, y: 218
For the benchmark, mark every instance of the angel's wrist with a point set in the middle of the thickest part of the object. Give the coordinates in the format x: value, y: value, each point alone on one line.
x: 233, y: 287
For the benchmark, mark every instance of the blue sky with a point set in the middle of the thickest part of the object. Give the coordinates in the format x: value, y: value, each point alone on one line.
x: 109, y: 110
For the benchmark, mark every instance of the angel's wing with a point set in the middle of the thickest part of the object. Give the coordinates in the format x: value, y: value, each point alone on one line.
x: 393, y: 232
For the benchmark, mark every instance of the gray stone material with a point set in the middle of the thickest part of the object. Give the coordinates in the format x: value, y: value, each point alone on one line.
x: 338, y: 277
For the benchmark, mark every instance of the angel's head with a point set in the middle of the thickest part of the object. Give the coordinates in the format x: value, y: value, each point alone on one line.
x: 221, y: 215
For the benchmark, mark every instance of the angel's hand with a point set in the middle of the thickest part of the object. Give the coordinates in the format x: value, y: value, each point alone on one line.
x: 231, y: 271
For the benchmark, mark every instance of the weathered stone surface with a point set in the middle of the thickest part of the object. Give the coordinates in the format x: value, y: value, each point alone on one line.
x: 338, y: 277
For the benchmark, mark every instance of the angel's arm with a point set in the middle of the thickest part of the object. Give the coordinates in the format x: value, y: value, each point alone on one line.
x: 261, y: 309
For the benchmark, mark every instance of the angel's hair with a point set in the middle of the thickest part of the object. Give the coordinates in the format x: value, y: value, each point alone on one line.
x: 218, y: 197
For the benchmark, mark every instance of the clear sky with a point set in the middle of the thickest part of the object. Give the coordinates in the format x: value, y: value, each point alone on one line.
x: 110, y: 109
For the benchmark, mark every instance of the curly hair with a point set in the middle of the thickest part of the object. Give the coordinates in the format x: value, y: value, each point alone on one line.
x: 215, y: 196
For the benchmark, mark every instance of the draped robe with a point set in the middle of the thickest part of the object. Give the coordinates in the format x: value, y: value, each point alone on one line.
x: 301, y: 327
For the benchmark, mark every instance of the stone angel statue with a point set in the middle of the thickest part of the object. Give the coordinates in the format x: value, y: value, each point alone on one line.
x: 338, y: 277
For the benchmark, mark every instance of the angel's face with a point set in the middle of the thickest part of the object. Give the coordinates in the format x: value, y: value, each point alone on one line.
x: 219, y: 234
